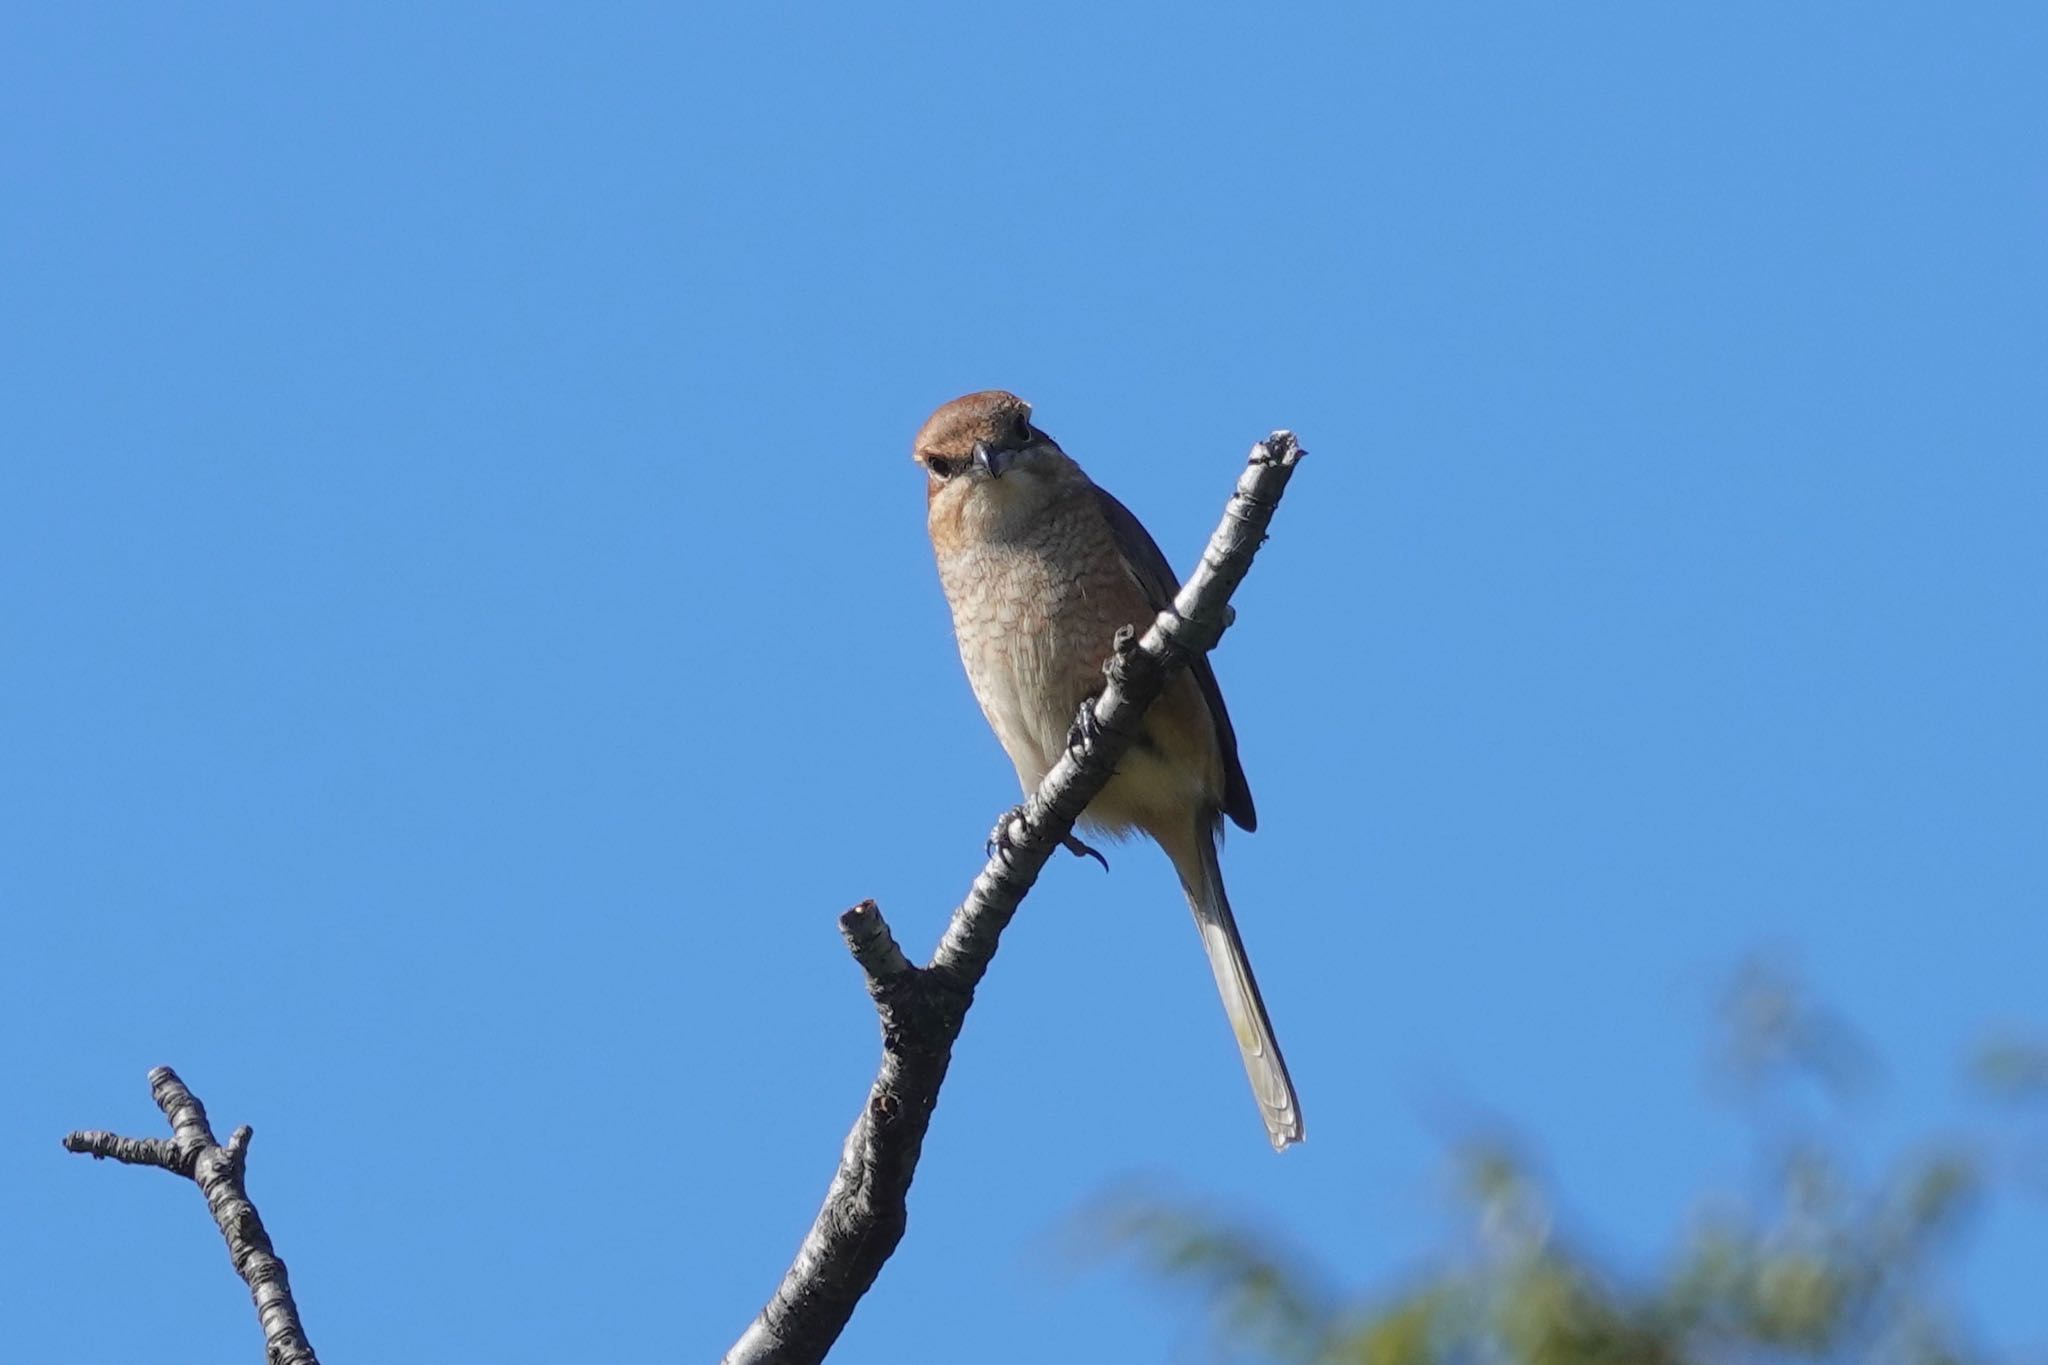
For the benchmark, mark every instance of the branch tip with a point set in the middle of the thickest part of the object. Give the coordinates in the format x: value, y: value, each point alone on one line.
x: 1279, y: 448
x: 872, y: 945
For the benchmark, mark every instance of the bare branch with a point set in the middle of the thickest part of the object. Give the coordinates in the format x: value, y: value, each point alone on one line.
x: 922, y: 1009
x: 192, y: 1152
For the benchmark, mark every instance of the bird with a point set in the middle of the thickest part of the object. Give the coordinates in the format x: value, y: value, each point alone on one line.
x: 1041, y: 567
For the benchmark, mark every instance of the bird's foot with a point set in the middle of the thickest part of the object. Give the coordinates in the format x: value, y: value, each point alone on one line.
x: 1086, y: 729
x: 1000, y: 839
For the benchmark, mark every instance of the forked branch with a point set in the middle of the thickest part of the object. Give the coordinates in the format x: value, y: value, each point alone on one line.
x: 192, y: 1152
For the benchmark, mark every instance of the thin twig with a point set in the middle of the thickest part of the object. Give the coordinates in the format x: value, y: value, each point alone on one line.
x: 922, y: 1008
x: 192, y: 1152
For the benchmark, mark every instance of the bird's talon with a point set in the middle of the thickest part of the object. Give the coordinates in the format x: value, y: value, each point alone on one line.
x: 1080, y: 850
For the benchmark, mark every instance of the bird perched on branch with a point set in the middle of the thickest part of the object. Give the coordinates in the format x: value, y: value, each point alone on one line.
x: 1041, y: 568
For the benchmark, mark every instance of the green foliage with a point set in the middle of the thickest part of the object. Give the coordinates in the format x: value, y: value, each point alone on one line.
x: 1818, y: 1267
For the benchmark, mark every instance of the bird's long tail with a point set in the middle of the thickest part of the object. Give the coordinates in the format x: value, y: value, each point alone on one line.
x: 1202, y: 878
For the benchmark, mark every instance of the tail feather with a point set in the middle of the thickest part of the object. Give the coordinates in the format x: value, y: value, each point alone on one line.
x: 1263, y: 1064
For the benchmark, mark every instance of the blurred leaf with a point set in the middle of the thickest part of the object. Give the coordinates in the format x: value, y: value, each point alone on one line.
x: 2012, y: 1069
x: 1774, y: 1034
x: 1257, y: 1297
x: 1798, y: 1299
x: 1403, y: 1334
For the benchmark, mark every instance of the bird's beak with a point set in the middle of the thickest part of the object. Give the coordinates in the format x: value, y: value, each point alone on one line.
x: 992, y: 462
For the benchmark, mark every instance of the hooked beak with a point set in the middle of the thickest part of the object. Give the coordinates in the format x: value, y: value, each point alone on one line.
x: 992, y: 462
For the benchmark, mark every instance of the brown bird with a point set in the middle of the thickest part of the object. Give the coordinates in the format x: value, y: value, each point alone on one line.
x: 1041, y: 568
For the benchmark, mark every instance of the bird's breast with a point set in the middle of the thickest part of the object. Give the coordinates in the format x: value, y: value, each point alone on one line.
x: 1034, y: 617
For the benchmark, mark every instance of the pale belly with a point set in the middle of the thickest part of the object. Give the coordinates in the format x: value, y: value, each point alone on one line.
x: 1033, y: 638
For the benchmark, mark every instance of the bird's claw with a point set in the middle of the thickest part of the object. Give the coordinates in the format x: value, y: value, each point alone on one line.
x: 1000, y: 840
x: 1080, y: 850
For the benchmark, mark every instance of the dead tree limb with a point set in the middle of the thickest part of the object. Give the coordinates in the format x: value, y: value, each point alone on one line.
x: 922, y: 1008
x: 192, y: 1152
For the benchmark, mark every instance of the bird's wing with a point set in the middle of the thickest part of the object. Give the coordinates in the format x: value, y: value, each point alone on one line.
x: 1148, y: 565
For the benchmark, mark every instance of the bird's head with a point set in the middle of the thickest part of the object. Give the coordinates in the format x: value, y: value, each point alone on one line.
x: 982, y: 454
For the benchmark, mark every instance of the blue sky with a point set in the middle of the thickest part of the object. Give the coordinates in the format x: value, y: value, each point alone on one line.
x: 469, y: 627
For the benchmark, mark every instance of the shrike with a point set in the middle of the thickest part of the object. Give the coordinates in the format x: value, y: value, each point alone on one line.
x: 1041, y: 568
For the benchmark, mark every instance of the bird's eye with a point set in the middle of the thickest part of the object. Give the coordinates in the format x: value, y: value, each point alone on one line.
x: 1024, y: 436
x: 940, y: 466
